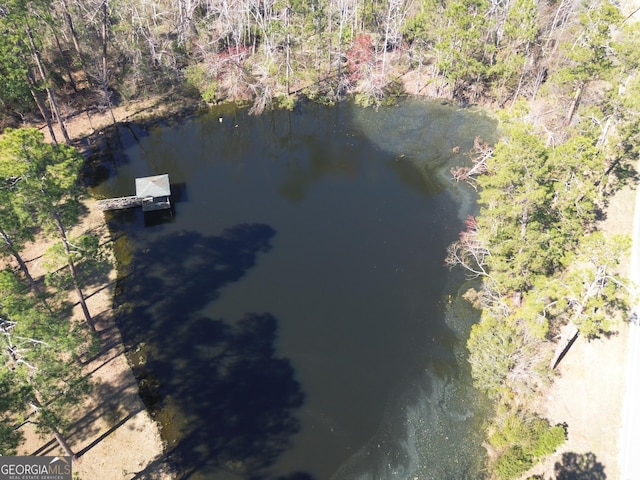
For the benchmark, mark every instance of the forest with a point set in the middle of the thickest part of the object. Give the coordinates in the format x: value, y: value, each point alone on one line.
x: 562, y: 76
x: 94, y: 54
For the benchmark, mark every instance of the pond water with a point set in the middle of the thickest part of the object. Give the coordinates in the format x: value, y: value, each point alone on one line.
x: 292, y: 318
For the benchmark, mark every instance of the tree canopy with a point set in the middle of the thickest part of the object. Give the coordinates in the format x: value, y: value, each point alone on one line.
x: 99, y: 52
x: 534, y: 243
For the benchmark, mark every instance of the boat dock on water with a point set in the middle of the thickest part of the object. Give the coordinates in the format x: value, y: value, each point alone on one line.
x: 152, y: 193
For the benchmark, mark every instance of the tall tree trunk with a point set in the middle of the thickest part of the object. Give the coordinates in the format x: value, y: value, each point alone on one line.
x: 23, y: 266
x: 56, y: 433
x: 574, y: 104
x: 330, y: 40
x: 105, y: 20
x: 74, y: 272
x: 65, y: 62
x: 74, y: 36
x: 385, y: 45
x: 63, y: 443
x: 43, y: 74
x: 63, y: 127
x: 72, y: 30
x: 31, y: 80
x: 105, y: 69
x: 287, y: 26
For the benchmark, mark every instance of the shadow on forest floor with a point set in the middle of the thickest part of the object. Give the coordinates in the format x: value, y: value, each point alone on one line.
x: 576, y: 466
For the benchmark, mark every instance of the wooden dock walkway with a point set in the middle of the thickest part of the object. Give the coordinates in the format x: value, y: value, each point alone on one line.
x: 119, y: 203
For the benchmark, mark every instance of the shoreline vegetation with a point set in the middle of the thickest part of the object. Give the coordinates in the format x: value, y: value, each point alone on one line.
x: 561, y: 75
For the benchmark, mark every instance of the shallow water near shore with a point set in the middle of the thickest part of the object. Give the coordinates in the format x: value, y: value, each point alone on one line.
x: 292, y: 317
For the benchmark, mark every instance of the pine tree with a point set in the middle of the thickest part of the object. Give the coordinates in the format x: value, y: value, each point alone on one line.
x: 46, y: 187
x: 39, y: 374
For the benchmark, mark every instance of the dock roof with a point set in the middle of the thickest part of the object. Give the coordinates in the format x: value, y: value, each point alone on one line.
x: 156, y: 186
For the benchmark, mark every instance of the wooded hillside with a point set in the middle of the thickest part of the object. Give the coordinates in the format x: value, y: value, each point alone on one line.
x: 564, y: 73
x: 61, y: 56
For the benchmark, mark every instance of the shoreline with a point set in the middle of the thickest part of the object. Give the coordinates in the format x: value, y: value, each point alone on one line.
x: 112, y: 433
x: 565, y: 397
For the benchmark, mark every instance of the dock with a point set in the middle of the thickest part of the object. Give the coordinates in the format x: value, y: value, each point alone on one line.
x: 152, y: 193
x: 118, y: 203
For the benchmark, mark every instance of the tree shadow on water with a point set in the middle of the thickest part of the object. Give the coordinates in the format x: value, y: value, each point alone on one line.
x: 228, y: 403
x: 576, y: 466
x: 175, y: 276
x: 237, y: 398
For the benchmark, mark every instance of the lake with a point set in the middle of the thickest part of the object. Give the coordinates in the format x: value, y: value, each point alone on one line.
x: 292, y: 317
